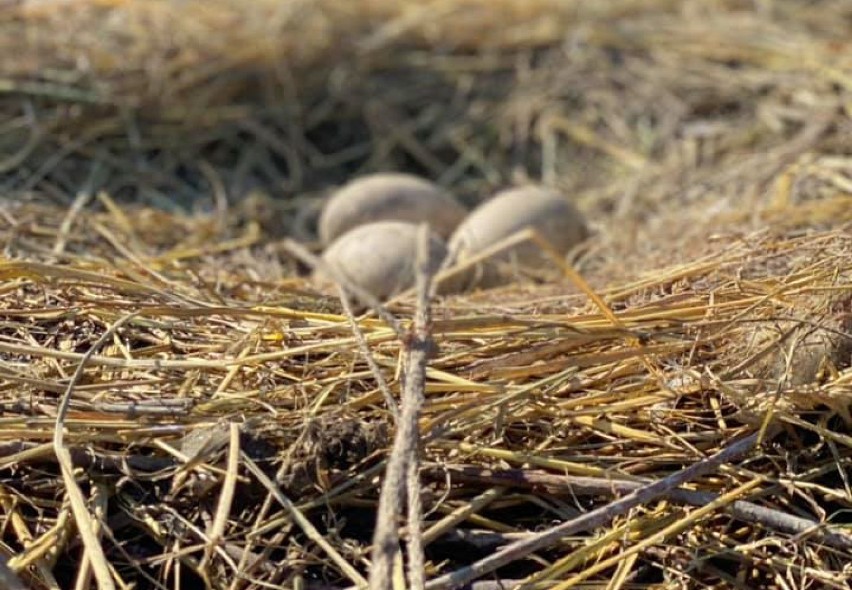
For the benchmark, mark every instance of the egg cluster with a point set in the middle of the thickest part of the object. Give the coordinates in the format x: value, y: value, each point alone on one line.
x: 369, y: 231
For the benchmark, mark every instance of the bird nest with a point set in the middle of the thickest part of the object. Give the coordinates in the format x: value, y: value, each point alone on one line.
x: 182, y: 407
x: 206, y: 421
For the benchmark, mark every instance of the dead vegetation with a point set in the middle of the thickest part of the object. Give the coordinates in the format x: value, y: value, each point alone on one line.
x: 181, y: 407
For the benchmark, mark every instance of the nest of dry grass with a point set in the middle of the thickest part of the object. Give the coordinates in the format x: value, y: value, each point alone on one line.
x: 538, y: 407
x: 176, y: 395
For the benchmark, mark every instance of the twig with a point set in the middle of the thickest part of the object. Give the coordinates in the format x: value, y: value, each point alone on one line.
x: 478, y: 539
x: 368, y: 355
x: 80, y: 201
x: 597, y: 486
x: 592, y: 519
x: 226, y: 497
x: 415, y: 387
x: 446, y: 524
x: 669, y: 531
x: 307, y: 527
x: 83, y: 519
x: 24, y: 452
x: 100, y: 498
x: 403, y: 458
x: 416, y: 554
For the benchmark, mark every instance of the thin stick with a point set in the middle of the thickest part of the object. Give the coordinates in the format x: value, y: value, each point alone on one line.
x: 81, y: 200
x: 100, y: 498
x: 226, y: 497
x: 405, y: 446
x: 590, y: 520
x: 307, y: 527
x: 415, y: 386
x: 659, y: 536
x: 573, y: 485
x: 416, y: 554
x: 302, y: 253
x: 458, y: 515
x: 83, y: 519
x: 368, y: 355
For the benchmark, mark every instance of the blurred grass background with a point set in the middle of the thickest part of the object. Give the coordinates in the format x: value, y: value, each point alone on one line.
x: 633, y: 108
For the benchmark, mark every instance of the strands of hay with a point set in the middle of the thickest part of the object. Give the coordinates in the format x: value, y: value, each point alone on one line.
x: 633, y: 106
x: 180, y: 408
x: 534, y: 412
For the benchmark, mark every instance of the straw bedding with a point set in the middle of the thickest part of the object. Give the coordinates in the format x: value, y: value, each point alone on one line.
x: 182, y: 407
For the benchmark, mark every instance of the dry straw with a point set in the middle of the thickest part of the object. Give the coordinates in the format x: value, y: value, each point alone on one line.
x: 180, y: 408
x: 541, y: 396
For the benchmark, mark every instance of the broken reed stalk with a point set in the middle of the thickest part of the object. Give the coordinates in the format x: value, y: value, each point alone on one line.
x: 100, y: 502
x: 381, y: 382
x: 570, y: 485
x: 594, y: 518
x: 401, y: 476
x: 216, y: 533
x: 82, y: 517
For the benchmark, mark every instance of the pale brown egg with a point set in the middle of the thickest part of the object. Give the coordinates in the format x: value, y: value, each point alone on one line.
x: 386, y: 197
x: 380, y: 257
x: 545, y: 210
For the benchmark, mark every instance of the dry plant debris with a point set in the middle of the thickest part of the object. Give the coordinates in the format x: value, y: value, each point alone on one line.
x: 168, y: 373
x: 535, y: 411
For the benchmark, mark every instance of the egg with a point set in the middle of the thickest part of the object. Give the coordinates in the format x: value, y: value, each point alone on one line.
x: 389, y: 196
x: 380, y: 257
x: 545, y: 210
